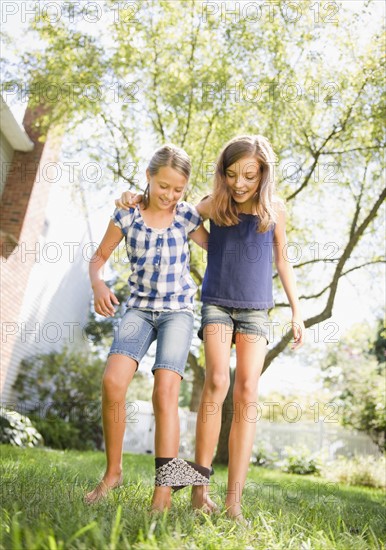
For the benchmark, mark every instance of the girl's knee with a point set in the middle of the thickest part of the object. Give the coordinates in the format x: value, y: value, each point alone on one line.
x: 165, y: 396
x: 217, y: 383
x: 244, y: 392
x: 112, y: 384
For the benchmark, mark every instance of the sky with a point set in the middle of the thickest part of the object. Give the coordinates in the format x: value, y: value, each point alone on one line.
x: 354, y: 304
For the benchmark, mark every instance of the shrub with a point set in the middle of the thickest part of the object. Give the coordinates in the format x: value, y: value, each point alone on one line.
x: 60, y: 434
x: 67, y: 389
x: 263, y: 456
x: 18, y: 430
x: 369, y: 471
x: 300, y: 461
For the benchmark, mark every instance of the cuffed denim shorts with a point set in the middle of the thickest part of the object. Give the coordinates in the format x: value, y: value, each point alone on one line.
x: 173, y: 331
x: 254, y: 322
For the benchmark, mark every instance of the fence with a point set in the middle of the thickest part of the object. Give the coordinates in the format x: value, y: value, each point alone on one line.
x: 318, y: 436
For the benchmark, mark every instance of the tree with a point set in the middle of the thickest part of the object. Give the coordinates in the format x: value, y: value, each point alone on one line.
x: 180, y: 73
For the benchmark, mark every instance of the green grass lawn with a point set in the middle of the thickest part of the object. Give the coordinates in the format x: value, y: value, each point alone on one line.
x: 42, y: 507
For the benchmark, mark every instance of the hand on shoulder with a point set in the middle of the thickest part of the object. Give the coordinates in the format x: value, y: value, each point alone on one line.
x: 128, y: 200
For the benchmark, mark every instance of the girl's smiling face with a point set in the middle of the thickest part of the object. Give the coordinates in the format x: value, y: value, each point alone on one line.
x: 166, y: 188
x: 243, y: 178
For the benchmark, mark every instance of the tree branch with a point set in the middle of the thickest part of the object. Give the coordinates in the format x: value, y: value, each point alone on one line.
x: 206, y: 138
x: 117, y: 157
x: 190, y: 65
x: 358, y: 205
x: 377, y: 147
x: 158, y: 125
x: 336, y: 129
x: 327, y: 311
x: 311, y: 296
x: 314, y: 261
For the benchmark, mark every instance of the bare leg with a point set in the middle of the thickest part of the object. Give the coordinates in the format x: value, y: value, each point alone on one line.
x: 250, y: 352
x: 167, y: 430
x: 118, y: 374
x: 217, y: 340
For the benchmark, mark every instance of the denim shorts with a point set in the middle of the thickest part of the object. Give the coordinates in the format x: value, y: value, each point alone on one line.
x: 173, y: 331
x: 254, y: 322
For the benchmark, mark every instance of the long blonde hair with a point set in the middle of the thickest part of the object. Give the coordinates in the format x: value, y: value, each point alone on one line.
x: 168, y: 155
x: 224, y: 209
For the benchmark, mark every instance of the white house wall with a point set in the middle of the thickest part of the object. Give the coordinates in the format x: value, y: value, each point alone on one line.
x: 56, y: 301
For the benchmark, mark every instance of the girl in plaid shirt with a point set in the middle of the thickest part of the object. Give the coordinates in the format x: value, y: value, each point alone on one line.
x: 247, y: 225
x: 159, y: 307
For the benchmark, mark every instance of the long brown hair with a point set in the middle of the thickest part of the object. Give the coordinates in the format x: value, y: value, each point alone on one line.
x: 224, y: 210
x: 167, y: 155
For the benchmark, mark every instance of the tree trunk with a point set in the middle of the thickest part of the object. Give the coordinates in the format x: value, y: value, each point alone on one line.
x: 222, y: 454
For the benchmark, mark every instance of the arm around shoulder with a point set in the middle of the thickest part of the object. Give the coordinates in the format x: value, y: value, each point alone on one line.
x: 200, y: 236
x: 204, y: 207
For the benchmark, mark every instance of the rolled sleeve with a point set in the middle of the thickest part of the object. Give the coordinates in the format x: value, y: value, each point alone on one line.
x: 122, y: 219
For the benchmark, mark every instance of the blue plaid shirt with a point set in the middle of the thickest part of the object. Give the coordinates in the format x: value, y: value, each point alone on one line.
x: 159, y: 259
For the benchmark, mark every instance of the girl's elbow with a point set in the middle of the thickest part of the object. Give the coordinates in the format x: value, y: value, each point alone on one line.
x: 94, y: 259
x: 97, y: 261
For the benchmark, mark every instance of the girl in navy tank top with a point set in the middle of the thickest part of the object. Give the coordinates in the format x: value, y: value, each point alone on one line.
x: 247, y: 229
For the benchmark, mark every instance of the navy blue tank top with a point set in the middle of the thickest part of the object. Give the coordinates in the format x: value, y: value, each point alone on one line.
x: 239, y: 270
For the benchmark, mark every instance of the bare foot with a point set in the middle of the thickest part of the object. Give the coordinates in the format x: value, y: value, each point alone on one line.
x: 162, y: 499
x: 202, y: 501
x: 159, y: 507
x: 234, y: 512
x: 103, y: 488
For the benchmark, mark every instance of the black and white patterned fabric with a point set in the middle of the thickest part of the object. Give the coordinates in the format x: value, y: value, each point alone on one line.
x: 179, y: 473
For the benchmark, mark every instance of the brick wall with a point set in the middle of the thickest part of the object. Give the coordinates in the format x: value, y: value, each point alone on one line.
x: 23, y: 206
